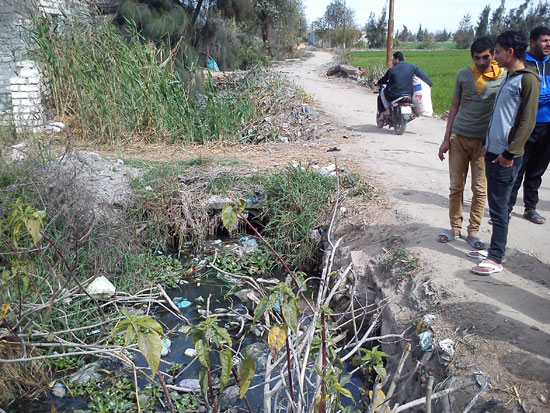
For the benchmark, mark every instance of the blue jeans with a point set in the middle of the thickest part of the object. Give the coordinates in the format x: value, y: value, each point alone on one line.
x: 500, y: 181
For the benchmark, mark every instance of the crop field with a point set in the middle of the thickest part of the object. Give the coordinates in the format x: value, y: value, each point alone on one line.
x: 440, y: 65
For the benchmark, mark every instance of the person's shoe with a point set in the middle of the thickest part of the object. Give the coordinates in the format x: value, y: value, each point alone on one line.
x: 533, y: 216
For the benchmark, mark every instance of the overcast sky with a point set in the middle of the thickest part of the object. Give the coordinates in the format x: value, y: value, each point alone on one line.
x: 432, y: 14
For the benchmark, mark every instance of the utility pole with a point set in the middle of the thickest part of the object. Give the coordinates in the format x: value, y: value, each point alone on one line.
x: 344, y: 25
x: 389, y: 52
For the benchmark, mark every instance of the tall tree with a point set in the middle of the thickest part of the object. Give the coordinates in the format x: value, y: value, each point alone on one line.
x: 465, y: 33
x: 376, y: 30
x: 498, y: 19
x: 419, y: 34
x: 483, y: 22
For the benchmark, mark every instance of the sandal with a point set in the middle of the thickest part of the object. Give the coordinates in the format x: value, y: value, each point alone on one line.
x: 482, y: 255
x: 486, y: 268
x: 447, y: 236
x: 533, y: 216
x: 477, y: 243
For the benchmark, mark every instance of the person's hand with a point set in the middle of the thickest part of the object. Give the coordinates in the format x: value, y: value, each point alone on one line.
x: 444, y: 148
x: 502, y: 161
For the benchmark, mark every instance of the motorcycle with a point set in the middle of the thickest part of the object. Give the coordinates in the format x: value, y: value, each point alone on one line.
x: 400, y: 114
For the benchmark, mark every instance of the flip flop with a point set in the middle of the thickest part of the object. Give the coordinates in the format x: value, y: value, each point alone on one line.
x: 493, y: 268
x: 476, y: 243
x: 447, y: 236
x: 533, y: 216
x: 482, y: 255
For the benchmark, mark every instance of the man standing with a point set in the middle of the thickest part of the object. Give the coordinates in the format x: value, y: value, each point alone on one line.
x: 537, y: 148
x: 473, y: 98
x: 512, y: 122
x: 399, y: 82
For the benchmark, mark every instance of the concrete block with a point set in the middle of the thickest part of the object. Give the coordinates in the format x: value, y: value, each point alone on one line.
x: 29, y: 72
x: 19, y: 95
x: 26, y: 64
x: 15, y: 88
x: 28, y: 88
x: 16, y: 80
x: 34, y: 80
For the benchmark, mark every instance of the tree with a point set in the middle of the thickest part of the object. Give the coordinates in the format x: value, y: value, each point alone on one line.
x: 497, y: 20
x: 464, y: 36
x: 336, y: 16
x: 483, y: 22
x: 419, y: 34
x: 376, y: 30
x: 442, y: 35
x: 404, y: 35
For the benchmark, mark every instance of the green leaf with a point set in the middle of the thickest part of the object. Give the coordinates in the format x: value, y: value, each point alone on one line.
x: 202, y: 351
x: 277, y: 338
x: 4, y: 311
x: 343, y: 391
x: 247, y: 368
x: 130, y: 335
x: 290, y: 313
x: 261, y: 308
x: 226, y: 363
x: 203, y: 380
x: 380, y: 370
x: 119, y: 327
x: 223, y: 336
x: 150, y: 324
x: 150, y: 346
x: 229, y: 216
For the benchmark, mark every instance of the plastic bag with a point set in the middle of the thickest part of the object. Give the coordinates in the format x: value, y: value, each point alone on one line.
x: 422, y: 97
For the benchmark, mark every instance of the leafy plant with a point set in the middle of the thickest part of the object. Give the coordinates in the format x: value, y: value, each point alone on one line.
x: 373, y: 360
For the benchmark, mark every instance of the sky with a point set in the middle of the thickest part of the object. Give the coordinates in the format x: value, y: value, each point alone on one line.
x: 432, y: 14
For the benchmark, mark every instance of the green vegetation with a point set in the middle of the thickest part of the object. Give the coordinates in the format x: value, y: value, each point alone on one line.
x: 401, y: 261
x: 441, y: 66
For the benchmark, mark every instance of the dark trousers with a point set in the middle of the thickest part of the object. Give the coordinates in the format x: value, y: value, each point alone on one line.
x: 535, y: 162
x: 380, y: 105
x: 499, y: 186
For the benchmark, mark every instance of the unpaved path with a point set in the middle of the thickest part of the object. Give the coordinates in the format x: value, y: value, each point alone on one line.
x: 508, y: 312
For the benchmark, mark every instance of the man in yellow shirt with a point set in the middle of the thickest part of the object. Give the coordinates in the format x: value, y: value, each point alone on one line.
x: 473, y: 98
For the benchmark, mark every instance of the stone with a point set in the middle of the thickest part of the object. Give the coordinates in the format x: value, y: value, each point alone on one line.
x: 257, y: 351
x: 229, y: 397
x: 217, y: 202
x: 101, y: 288
x: 85, y: 374
x: 190, y: 352
x: 190, y: 384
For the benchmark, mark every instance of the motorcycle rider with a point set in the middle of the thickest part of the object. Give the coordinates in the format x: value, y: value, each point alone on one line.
x: 399, y: 82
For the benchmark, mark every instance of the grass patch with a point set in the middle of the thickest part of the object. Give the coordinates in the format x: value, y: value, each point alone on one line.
x: 400, y: 261
x: 298, y: 200
x: 441, y: 65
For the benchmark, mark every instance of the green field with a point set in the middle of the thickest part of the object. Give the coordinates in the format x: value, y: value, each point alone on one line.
x: 440, y: 65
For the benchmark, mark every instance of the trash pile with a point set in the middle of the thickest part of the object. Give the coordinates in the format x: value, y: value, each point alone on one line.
x: 282, y: 112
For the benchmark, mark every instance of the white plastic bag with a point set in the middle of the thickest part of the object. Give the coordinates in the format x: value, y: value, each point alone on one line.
x: 422, y: 97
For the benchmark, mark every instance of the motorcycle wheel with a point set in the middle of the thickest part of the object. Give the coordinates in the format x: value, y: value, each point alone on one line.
x: 379, y: 123
x: 401, y: 126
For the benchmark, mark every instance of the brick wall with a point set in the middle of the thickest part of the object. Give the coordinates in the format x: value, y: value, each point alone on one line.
x: 20, y: 83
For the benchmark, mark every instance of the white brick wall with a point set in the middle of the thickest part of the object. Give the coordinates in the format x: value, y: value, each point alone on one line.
x: 25, y: 96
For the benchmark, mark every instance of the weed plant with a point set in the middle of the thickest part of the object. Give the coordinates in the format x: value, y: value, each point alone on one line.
x: 297, y: 201
x: 441, y: 65
x: 113, y: 87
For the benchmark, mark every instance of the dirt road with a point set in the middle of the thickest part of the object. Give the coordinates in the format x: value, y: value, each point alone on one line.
x: 510, y: 311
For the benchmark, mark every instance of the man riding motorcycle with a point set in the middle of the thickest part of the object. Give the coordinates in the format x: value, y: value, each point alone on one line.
x: 398, y: 81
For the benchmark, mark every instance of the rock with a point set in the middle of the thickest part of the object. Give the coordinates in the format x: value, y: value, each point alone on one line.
x: 101, y: 288
x: 243, y: 294
x: 257, y: 351
x: 190, y: 352
x: 166, y: 343
x: 191, y: 384
x: 229, y: 397
x: 85, y: 374
x: 217, y: 202
x: 18, y: 153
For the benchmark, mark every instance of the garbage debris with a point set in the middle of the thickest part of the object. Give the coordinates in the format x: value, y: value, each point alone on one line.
x: 101, y: 288
x: 166, y: 343
x: 250, y: 244
x: 190, y: 352
x: 447, y: 346
x: 59, y: 390
x: 182, y: 302
x: 334, y: 149
x: 426, y: 341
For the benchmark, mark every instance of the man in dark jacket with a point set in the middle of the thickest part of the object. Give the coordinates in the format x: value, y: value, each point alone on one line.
x: 512, y: 121
x: 537, y: 149
x: 399, y: 81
